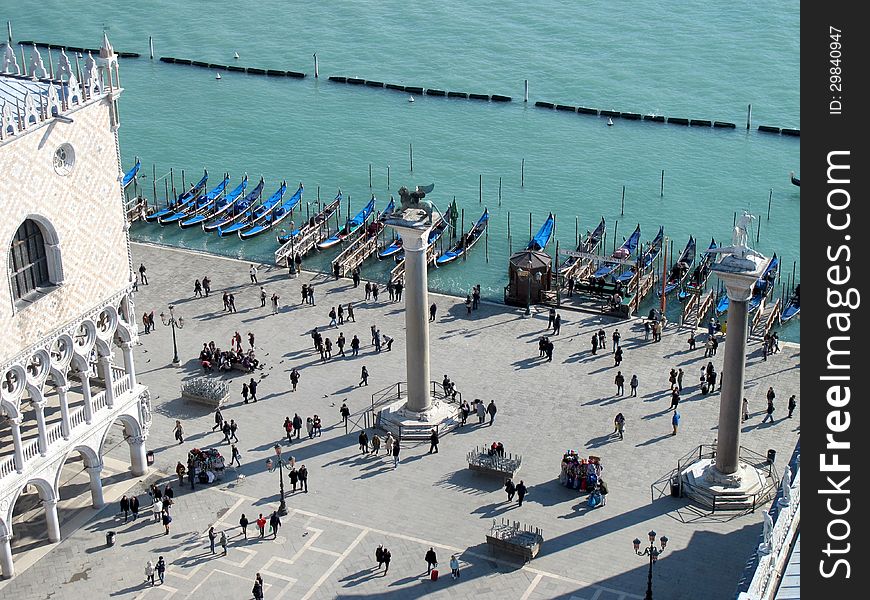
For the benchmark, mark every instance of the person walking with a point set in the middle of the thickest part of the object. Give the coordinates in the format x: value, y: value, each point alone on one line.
x: 160, y: 567
x: 363, y: 442
x: 619, y: 380
x: 206, y: 285
x: 303, y: 478
x: 218, y: 420
x: 675, y: 421
x: 252, y: 389
x: 262, y: 297
x: 245, y: 392
x: 675, y: 397
x: 431, y: 560
x: 481, y: 411
x: 379, y: 556
x: 274, y: 524
x: 311, y: 295
x: 125, y: 506
x: 197, y: 289
x: 399, y: 288
x: 257, y: 590
x: 236, y: 456
x: 243, y: 525
x: 510, y: 488
x: 395, y: 453
x: 179, y: 432
x: 375, y: 291
x: 551, y: 318
x: 167, y: 519
x: 557, y: 324
x: 633, y: 385
x: 615, y: 337
x: 468, y: 304
x: 309, y: 427
x: 492, y: 410
x: 157, y: 509
x: 211, y: 538
x: 792, y: 404
x: 432, y: 311
x: 433, y: 441
x: 387, y: 557
x: 376, y: 444
x: 297, y: 425
x: 333, y: 316
x: 454, y: 566
x: 521, y: 492
x: 680, y: 379
x: 617, y: 357
x: 134, y: 506
x: 261, y: 525
x: 745, y: 408
x: 344, y: 411
x: 253, y: 273
x: 275, y: 306
x: 602, y: 489
x: 364, y: 377
x: 354, y: 346
x: 142, y: 276
x: 224, y: 542
x: 594, y: 344
x: 233, y: 428
x: 226, y: 432
x: 619, y: 425
x: 771, y: 395
x: 149, y: 572
x: 769, y: 411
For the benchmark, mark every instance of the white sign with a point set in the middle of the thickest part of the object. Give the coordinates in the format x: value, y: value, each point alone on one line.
x: 596, y: 257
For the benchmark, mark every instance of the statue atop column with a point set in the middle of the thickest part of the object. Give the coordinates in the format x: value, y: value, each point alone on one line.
x: 414, y: 211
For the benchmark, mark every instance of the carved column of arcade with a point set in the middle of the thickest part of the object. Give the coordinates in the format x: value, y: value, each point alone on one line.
x: 62, y: 391
x: 94, y: 472
x: 85, y: 380
x: 16, y: 443
x: 105, y: 365
x: 42, y: 439
x: 138, y: 460
x: 6, y: 563
x: 129, y: 366
x: 51, y: 519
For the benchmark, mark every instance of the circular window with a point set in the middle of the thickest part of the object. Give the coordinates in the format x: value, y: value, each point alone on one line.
x: 64, y: 159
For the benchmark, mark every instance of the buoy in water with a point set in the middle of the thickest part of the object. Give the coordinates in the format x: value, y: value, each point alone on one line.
x: 609, y: 121
x: 236, y: 55
x: 410, y: 98
x: 218, y: 76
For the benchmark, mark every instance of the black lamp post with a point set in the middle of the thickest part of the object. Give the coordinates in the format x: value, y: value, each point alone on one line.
x: 653, y: 552
x: 282, y: 508
x: 174, y: 322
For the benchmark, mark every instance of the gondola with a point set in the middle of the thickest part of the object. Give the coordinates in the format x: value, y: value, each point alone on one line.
x: 623, y: 252
x: 795, y: 180
x: 466, y: 241
x: 701, y: 272
x: 200, y: 205
x: 394, y: 248
x: 180, y: 203
x: 588, y: 245
x: 328, y: 210
x: 351, y: 226
x: 646, y: 259
x: 270, y: 219
x: 131, y: 174
x: 434, y: 235
x: 762, y: 288
x: 680, y: 270
x: 542, y: 238
x: 220, y: 206
x: 792, y: 308
x: 254, y: 215
x: 236, y: 210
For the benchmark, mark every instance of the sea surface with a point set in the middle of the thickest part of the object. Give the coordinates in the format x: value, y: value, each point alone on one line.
x: 688, y: 59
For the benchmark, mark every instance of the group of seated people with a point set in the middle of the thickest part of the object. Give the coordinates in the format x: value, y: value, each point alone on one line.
x: 212, y: 357
x: 496, y: 449
x: 449, y: 388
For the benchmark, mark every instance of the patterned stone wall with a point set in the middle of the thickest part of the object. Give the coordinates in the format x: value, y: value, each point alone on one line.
x: 86, y: 210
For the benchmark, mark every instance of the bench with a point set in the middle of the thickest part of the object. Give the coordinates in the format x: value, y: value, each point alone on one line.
x: 522, y: 541
x: 506, y: 467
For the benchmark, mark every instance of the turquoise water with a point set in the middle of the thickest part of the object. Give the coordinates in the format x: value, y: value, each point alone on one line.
x: 686, y: 59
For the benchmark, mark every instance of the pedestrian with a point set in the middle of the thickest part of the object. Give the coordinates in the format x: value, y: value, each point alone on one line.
x: 602, y: 489
x: 391, y: 290
x: 340, y: 342
x: 211, y: 538
x: 275, y: 307
x: 617, y: 357
x: 395, y: 453
x: 304, y: 293
x: 297, y: 425
x: 771, y: 395
x: 226, y: 301
x: 399, y: 288
x: 197, y: 289
x: 368, y: 288
x: 619, y: 425
x: 332, y: 318
x: 646, y: 329
x: 551, y: 318
x: 344, y: 411
x: 350, y: 316
x: 146, y: 322
x: 160, y: 568
x: 792, y: 404
x: 675, y: 421
x: 179, y: 432
x: 309, y: 427
x: 232, y: 301
x: 167, y: 519
x: 379, y: 556
x: 633, y: 384
x: 769, y: 411
x: 557, y: 324
x: 594, y: 344
x: 157, y: 509
x: 253, y: 272
x: 363, y: 442
x: 510, y: 488
x: 233, y: 428
x: 431, y: 560
x: 615, y: 336
x: 364, y: 375
x: 375, y: 292
x: 294, y: 477
x: 262, y: 296
x: 206, y: 285
x: 149, y: 572
x: 619, y: 380
x: 433, y: 441
x: 387, y: 558
x: 125, y: 506
x: 340, y: 314
x: 376, y: 444
x: 356, y: 277
x: 454, y: 567
x: 191, y: 473
x: 675, y: 397
x: 468, y: 304
x: 475, y: 297
x: 708, y: 347
x: 134, y: 506
x: 236, y: 456
x: 692, y: 341
x: 388, y: 341
x: 257, y: 590
x: 218, y: 419
x: 274, y: 524
x: 303, y: 478
x: 745, y: 409
x: 481, y: 411
x: 142, y: 276
x: 243, y: 524
x: 491, y: 409
x: 680, y: 379
x: 354, y: 346
x: 311, y: 295
x: 261, y: 525
x: 224, y: 542
x: 252, y: 389
x: 521, y: 492
x: 549, y: 351
x: 602, y: 339
x: 432, y: 310
x: 226, y: 431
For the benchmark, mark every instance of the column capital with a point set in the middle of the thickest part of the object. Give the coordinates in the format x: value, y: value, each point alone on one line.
x: 63, y: 389
x: 39, y: 404
x: 50, y: 503
x: 16, y: 420
x: 98, y: 467
x: 137, y: 439
x: 5, y: 537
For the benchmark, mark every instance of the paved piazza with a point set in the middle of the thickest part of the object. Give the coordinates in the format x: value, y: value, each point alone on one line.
x: 325, y: 548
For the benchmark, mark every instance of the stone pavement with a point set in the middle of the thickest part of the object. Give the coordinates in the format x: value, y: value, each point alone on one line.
x: 326, y: 546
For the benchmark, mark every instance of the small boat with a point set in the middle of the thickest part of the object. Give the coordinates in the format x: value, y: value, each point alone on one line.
x: 701, y: 272
x: 218, y: 76
x: 410, y: 98
x: 233, y: 212
x: 542, y: 238
x: 646, y: 259
x: 254, y: 215
x: 795, y: 180
x: 351, y: 226
x: 609, y: 122
x: 221, y: 205
x: 680, y: 270
x: 587, y: 245
x: 284, y: 236
x: 236, y: 55
x: 792, y: 308
x: 200, y: 205
x: 762, y: 288
x: 623, y: 252
x: 466, y: 241
x: 180, y: 203
x: 270, y: 219
x: 394, y: 248
x: 131, y: 174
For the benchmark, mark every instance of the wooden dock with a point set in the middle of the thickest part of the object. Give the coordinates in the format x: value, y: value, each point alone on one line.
x: 764, y: 319
x: 362, y: 247
x: 697, y: 308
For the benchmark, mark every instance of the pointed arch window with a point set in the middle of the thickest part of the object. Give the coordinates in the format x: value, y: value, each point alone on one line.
x: 33, y: 262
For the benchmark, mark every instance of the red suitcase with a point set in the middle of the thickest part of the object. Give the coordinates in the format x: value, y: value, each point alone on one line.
x: 434, y: 574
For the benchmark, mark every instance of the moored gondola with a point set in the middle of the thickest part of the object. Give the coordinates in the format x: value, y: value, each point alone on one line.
x: 623, y: 252
x: 271, y: 218
x: 254, y: 215
x: 681, y: 268
x: 180, y: 203
x: 220, y: 206
x: 328, y: 210
x: 588, y: 245
x: 236, y: 210
x: 646, y: 258
x: 792, y: 308
x: 466, y: 241
x: 351, y: 226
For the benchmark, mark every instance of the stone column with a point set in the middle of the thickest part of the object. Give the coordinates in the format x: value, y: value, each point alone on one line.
x: 42, y: 440
x: 129, y: 366
x: 739, y: 277
x: 94, y: 472
x: 6, y: 563
x: 105, y: 363
x: 64, y: 410
x: 51, y: 520
x: 86, y: 395
x: 138, y: 460
x: 16, y: 443
x: 416, y: 296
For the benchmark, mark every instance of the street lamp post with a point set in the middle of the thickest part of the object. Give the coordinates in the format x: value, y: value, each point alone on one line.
x: 174, y: 322
x: 282, y: 508
x: 653, y: 552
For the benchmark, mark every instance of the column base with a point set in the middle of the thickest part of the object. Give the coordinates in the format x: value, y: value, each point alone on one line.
x: 411, y: 424
x: 743, y: 489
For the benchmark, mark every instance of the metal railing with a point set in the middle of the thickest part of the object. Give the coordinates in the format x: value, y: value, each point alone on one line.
x: 401, y: 430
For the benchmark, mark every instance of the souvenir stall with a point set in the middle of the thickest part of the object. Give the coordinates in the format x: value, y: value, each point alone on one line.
x: 580, y: 473
x: 208, y: 464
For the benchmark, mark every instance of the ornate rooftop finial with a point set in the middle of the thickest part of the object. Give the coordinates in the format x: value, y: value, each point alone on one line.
x: 10, y: 64
x: 106, y: 50
x: 37, y: 69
